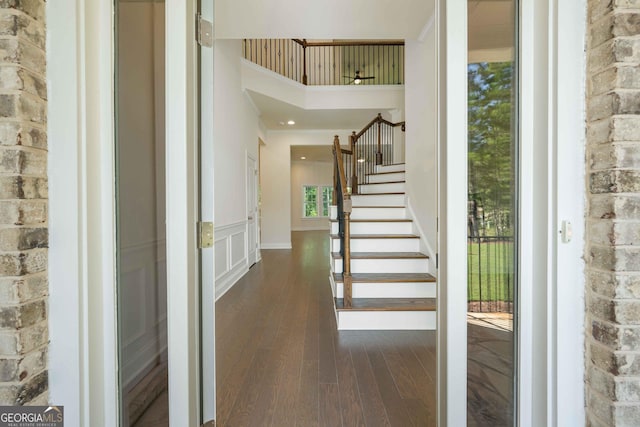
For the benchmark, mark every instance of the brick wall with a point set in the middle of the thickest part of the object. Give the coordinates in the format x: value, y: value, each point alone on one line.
x: 613, y: 217
x: 23, y: 203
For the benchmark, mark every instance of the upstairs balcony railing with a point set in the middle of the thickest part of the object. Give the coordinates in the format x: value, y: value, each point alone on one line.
x: 330, y: 62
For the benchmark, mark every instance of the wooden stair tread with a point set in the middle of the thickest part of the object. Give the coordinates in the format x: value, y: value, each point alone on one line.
x: 388, y: 304
x: 385, y: 182
x: 387, y: 277
x: 382, y: 255
x: 375, y: 194
x: 377, y: 219
x: 378, y: 207
x: 383, y: 173
x: 379, y: 236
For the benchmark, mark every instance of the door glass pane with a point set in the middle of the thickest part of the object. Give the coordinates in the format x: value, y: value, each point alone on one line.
x: 492, y: 214
x: 140, y: 160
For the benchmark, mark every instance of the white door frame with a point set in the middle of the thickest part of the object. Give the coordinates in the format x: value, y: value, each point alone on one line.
x: 255, y: 184
x: 183, y: 305
x: 207, y: 256
x: 82, y: 304
x: 451, y: 21
x: 552, y: 132
x: 82, y: 262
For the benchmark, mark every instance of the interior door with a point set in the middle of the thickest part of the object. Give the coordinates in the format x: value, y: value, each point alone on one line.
x: 252, y: 210
x: 207, y: 264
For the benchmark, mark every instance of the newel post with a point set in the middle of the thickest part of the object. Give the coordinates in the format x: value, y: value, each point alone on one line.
x: 346, y: 264
x: 379, y: 153
x: 334, y: 195
x: 354, y: 175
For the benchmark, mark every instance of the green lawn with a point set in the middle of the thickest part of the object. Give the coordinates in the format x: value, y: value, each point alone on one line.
x: 490, y: 271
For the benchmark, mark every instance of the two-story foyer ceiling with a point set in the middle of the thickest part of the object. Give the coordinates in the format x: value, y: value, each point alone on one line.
x: 322, y: 19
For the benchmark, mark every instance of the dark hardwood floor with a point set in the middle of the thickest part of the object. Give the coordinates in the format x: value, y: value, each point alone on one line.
x: 281, y: 362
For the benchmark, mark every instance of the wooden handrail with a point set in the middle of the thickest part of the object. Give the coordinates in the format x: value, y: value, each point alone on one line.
x: 372, y: 146
x: 305, y: 43
x: 344, y: 217
x: 380, y: 120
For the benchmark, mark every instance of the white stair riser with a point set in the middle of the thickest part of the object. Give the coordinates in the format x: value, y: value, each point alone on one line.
x: 379, y: 245
x: 378, y: 213
x: 388, y: 290
x: 385, y: 177
x: 396, y: 187
x: 378, y: 200
x: 376, y: 228
x: 390, y: 168
x: 404, y: 265
x: 386, y: 320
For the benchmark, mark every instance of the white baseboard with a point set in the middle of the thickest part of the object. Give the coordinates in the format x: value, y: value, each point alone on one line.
x: 275, y: 245
x: 312, y: 228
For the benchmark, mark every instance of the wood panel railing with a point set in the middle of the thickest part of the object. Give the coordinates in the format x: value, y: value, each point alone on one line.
x: 330, y: 62
x: 342, y: 198
x: 374, y: 145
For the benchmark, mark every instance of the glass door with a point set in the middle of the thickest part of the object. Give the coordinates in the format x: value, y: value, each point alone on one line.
x: 492, y: 225
x: 141, y: 236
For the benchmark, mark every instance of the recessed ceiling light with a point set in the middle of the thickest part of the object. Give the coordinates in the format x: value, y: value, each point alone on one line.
x: 360, y: 160
x: 303, y: 158
x: 291, y: 123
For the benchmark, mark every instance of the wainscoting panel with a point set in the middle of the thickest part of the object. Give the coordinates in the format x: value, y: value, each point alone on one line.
x: 231, y: 255
x: 143, y: 309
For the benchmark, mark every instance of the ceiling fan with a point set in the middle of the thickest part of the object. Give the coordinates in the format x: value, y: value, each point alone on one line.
x: 357, y: 79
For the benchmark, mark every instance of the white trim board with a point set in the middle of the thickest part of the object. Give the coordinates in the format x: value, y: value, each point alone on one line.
x: 312, y: 228
x: 182, y: 214
x: 275, y: 245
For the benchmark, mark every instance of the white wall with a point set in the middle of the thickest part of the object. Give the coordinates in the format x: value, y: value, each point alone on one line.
x: 308, y: 173
x: 421, y: 143
x: 275, y: 180
x: 364, y: 97
x: 141, y: 190
x: 236, y: 132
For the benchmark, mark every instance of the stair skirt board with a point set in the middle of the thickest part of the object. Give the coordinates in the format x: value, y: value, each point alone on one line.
x: 385, y: 320
x: 385, y: 289
x: 385, y: 177
x: 382, y: 244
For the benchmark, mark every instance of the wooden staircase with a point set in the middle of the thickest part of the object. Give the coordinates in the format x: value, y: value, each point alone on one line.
x: 391, y: 284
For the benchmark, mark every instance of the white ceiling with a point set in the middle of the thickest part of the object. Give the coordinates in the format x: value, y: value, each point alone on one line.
x: 313, y: 153
x: 326, y: 19
x: 274, y: 111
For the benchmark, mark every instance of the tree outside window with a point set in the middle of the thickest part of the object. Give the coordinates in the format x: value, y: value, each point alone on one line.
x: 327, y: 195
x: 316, y: 200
